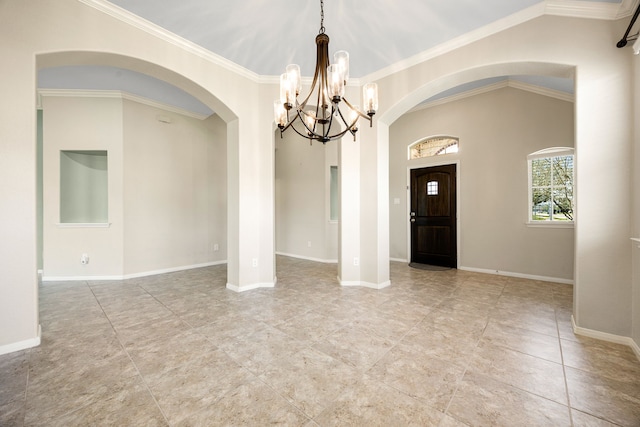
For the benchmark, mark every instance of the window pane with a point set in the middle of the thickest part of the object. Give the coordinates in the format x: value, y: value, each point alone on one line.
x: 551, y: 188
x: 434, y: 147
x: 562, y: 206
x: 563, y: 171
x: 541, y: 172
x: 541, y: 204
x: 432, y: 188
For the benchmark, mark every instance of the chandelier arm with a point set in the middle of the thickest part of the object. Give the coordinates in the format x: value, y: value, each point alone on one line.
x: 358, y: 112
x: 338, y: 135
x: 322, y: 137
x: 289, y: 123
x: 319, y: 137
x: 300, y: 133
x: 299, y: 113
x: 348, y: 126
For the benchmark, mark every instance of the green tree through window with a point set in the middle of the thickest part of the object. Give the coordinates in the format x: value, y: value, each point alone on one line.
x: 551, y: 191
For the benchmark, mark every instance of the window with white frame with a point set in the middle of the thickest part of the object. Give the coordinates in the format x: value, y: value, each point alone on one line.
x: 551, y: 185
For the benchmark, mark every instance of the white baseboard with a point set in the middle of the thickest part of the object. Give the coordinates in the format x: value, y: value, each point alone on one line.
x: 324, y: 261
x: 174, y: 269
x: 518, y: 275
x: 364, y: 284
x: 130, y: 276
x: 399, y: 260
x: 250, y: 287
x: 21, y: 345
x: 604, y: 336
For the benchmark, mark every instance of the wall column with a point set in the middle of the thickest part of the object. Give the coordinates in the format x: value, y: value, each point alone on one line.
x: 364, y: 209
x: 250, y: 205
x: 18, y: 260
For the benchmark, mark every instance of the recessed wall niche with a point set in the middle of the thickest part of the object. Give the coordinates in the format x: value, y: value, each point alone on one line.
x: 83, y: 187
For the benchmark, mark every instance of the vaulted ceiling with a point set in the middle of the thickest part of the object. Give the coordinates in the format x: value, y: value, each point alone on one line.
x: 264, y: 36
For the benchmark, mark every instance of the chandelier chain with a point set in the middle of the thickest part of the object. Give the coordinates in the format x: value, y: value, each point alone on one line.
x: 321, y: 16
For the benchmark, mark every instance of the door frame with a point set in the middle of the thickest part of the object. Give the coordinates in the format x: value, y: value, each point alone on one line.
x: 435, y: 162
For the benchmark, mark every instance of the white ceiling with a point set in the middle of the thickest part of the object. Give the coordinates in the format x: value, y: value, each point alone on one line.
x: 264, y: 36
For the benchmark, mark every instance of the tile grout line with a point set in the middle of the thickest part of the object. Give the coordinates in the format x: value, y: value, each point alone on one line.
x: 192, y: 329
x: 146, y: 385
x: 564, y: 370
x: 459, y: 382
x: 26, y: 388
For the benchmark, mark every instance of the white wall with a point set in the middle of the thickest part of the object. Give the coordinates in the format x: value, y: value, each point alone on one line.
x: 167, y: 188
x: 82, y: 123
x: 175, y: 190
x: 496, y: 130
x: 38, y: 33
x: 562, y: 47
x: 47, y: 33
x: 303, y: 228
x: 636, y: 204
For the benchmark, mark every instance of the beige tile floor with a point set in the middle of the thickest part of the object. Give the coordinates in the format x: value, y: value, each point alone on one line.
x: 437, y: 348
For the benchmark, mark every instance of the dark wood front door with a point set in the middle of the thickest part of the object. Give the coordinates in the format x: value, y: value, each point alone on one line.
x: 433, y: 216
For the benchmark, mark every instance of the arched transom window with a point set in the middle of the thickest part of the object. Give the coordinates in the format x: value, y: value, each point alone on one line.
x: 433, y: 147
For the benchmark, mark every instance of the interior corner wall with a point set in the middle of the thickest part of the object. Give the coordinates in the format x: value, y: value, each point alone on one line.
x: 635, y: 197
x: 167, y: 189
x: 302, y: 211
x: 175, y: 190
x: 82, y: 123
x: 497, y: 130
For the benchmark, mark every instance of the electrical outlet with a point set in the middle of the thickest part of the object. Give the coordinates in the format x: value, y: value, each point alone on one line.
x: 84, y: 259
x: 356, y: 261
x: 216, y: 247
x: 254, y: 262
x: 309, y: 243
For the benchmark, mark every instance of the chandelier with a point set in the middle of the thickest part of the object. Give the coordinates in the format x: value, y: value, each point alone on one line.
x: 316, y: 122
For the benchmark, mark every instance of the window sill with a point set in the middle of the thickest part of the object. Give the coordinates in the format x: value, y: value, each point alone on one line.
x: 83, y: 224
x: 550, y: 224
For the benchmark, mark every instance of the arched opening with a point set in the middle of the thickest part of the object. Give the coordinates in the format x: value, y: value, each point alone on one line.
x: 494, y: 128
x: 167, y: 173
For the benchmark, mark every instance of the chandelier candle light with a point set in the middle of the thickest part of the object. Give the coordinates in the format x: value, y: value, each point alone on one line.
x: 329, y: 81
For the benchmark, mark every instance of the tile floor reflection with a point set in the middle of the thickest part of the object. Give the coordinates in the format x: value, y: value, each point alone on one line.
x: 436, y: 348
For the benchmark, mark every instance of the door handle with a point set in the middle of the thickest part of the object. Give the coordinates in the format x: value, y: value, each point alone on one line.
x: 412, y: 220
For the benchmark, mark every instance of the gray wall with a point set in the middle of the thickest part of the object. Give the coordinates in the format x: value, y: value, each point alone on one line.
x: 302, y: 178
x: 166, y: 188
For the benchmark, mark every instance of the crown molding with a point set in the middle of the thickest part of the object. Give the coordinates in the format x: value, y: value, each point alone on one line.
x: 159, y: 32
x: 573, y: 8
x: 592, y: 10
x: 541, y: 90
x: 460, y: 41
x: 516, y: 84
x: 115, y: 94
